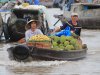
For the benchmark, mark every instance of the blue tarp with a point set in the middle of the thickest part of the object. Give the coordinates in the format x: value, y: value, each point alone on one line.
x: 65, y: 32
x: 36, y: 2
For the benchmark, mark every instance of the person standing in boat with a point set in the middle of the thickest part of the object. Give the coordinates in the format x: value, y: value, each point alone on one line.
x: 75, y: 28
x: 31, y: 29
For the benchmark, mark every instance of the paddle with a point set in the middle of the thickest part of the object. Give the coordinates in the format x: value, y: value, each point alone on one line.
x: 61, y: 17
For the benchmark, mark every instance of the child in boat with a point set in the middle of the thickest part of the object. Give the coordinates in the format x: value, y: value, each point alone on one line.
x: 31, y: 29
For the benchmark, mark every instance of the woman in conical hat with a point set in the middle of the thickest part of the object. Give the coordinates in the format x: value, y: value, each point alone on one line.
x: 32, y: 29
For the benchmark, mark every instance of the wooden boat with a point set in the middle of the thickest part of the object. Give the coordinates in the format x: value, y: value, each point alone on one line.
x: 16, y: 25
x: 23, y: 52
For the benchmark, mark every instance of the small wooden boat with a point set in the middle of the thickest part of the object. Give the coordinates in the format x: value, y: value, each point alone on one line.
x: 23, y: 52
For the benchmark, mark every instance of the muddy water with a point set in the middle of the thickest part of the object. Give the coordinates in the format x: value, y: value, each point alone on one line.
x: 88, y: 66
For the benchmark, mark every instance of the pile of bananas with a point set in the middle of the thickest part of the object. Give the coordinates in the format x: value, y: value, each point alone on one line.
x: 40, y: 38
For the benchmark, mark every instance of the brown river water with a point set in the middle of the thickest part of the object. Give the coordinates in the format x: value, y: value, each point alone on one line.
x: 87, y: 66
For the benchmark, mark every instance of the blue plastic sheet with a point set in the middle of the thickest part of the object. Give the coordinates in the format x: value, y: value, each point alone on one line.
x: 36, y: 2
x: 65, y: 32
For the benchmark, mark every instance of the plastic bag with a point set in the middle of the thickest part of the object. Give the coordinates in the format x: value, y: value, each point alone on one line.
x: 65, y: 32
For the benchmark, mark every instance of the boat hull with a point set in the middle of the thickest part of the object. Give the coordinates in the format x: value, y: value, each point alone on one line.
x: 21, y: 53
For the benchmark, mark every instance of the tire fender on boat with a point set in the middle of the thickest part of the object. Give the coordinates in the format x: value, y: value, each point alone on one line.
x: 21, y: 52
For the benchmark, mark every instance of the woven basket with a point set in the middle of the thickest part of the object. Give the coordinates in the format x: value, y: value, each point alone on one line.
x: 46, y: 44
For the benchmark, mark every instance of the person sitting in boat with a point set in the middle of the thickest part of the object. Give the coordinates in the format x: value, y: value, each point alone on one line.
x: 31, y: 29
x: 75, y: 27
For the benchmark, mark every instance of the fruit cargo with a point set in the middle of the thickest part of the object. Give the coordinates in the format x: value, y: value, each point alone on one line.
x: 58, y: 49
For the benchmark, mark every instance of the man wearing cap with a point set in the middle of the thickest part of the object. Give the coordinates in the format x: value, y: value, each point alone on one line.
x: 76, y: 28
x: 32, y: 29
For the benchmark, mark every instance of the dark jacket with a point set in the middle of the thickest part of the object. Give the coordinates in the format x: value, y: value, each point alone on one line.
x: 76, y: 29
